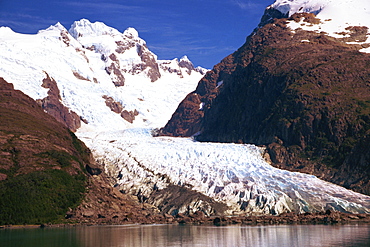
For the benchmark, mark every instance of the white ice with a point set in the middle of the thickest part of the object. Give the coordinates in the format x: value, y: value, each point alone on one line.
x: 235, y: 174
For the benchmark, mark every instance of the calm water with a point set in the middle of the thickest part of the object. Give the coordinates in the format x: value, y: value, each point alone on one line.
x: 171, y: 235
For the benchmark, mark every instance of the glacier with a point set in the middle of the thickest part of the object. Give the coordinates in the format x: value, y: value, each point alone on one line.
x: 234, y: 174
x: 92, y: 62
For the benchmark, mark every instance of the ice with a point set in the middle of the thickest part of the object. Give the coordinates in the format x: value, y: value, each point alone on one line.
x: 235, y: 174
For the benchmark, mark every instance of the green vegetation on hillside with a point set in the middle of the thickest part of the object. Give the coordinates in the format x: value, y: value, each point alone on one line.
x: 42, y: 163
x: 39, y: 197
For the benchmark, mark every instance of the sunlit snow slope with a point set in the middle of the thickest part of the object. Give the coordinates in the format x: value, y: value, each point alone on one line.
x: 113, y: 82
x: 92, y: 63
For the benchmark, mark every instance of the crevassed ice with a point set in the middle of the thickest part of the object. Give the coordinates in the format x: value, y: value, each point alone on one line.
x: 235, y: 174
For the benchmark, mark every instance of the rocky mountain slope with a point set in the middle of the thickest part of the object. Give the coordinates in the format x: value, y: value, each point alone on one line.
x: 299, y: 86
x: 38, y: 156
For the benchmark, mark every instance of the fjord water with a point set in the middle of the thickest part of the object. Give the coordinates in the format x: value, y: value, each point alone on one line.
x: 185, y: 235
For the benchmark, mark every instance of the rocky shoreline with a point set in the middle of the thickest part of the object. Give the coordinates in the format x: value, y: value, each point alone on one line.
x: 327, y: 218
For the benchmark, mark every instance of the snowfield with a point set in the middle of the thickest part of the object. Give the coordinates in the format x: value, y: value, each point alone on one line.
x: 82, y: 78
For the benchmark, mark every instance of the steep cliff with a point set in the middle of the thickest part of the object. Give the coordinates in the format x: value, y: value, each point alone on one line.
x: 303, y: 94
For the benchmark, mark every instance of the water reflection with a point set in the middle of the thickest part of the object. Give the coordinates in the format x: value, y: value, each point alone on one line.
x: 50, y: 237
x: 169, y: 235
x: 172, y: 235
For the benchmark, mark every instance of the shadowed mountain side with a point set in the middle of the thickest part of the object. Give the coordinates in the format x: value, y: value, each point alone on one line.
x: 304, y: 95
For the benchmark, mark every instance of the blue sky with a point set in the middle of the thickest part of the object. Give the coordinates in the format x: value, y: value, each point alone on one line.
x: 204, y: 30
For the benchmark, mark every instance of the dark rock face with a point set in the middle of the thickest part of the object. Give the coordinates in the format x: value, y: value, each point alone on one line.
x: 308, y: 102
x: 271, y: 14
x: 52, y: 105
x: 357, y: 165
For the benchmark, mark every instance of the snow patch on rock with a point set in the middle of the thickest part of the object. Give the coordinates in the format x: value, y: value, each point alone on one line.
x: 336, y: 17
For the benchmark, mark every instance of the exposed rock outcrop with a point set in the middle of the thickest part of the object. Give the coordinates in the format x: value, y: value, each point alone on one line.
x: 112, y: 104
x: 149, y: 62
x: 52, y: 105
x: 114, y: 70
x: 129, y: 116
x: 176, y: 200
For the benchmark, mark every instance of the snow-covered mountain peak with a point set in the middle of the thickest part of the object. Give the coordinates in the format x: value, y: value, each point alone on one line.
x: 104, y: 76
x: 84, y: 28
x: 57, y: 27
x: 186, y: 63
x: 131, y: 33
x: 349, y: 12
x: 185, y: 59
x: 290, y: 7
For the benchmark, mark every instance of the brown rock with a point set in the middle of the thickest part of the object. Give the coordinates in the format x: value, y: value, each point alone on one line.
x: 53, y: 106
x: 88, y: 214
x: 3, y: 176
x: 94, y: 169
x: 112, y: 104
x: 129, y: 116
x: 150, y: 62
x: 116, y: 75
